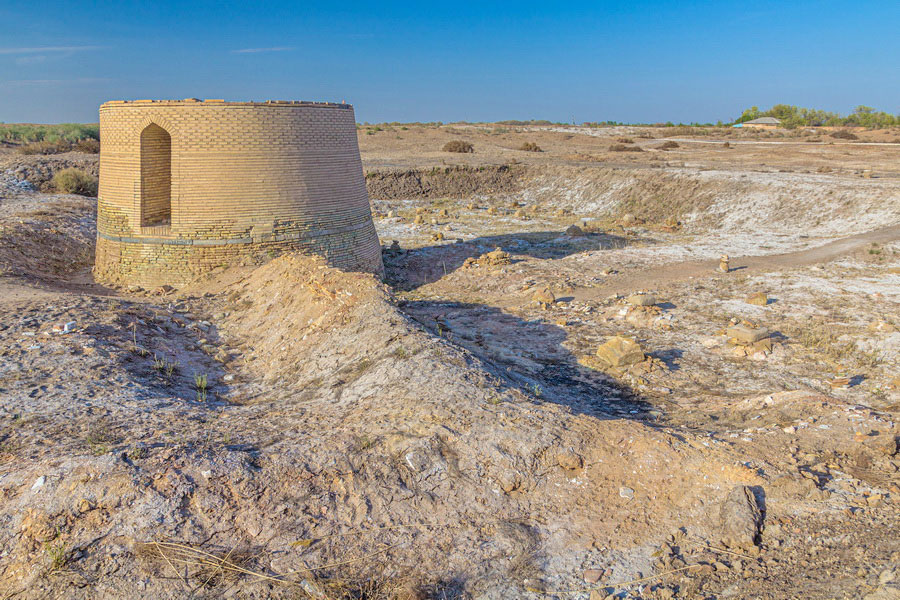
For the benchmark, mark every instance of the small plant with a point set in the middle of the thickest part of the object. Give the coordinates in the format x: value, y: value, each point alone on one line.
x: 140, y: 351
x: 530, y: 147
x: 75, y: 181
x: 164, y: 366
x: 537, y: 391
x: 200, y: 382
x: 137, y: 453
x: 98, y: 439
x: 460, y: 146
x: 57, y: 552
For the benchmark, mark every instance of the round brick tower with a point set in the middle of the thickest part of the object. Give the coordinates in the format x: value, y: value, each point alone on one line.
x: 189, y: 185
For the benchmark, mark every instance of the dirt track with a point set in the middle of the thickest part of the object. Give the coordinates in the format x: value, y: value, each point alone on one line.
x: 660, y: 277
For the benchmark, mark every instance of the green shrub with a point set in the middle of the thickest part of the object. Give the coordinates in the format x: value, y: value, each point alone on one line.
x: 530, y: 147
x: 458, y: 146
x: 75, y: 181
x: 68, y: 132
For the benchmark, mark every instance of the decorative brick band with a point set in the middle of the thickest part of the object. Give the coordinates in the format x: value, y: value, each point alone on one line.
x: 241, y: 240
x: 188, y: 184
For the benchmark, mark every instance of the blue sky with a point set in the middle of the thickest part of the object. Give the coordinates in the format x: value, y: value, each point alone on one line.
x: 583, y: 61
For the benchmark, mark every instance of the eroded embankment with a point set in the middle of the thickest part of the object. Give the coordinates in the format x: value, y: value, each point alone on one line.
x: 821, y: 204
x: 49, y: 240
x: 444, y: 182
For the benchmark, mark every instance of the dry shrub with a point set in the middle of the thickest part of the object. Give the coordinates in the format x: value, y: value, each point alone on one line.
x: 726, y: 145
x: 668, y: 145
x: 530, y: 147
x: 75, y: 181
x: 45, y: 148
x: 625, y: 140
x: 458, y: 146
x: 624, y: 148
x: 88, y: 146
x: 843, y: 135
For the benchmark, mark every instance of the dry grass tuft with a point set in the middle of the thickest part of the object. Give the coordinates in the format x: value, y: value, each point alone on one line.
x: 530, y: 147
x: 669, y: 145
x: 458, y: 146
x: 199, y: 568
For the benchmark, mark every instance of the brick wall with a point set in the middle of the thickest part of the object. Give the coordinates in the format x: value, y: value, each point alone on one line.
x: 245, y: 180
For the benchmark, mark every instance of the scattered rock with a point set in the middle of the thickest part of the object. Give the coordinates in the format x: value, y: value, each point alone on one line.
x: 626, y: 492
x: 592, y: 575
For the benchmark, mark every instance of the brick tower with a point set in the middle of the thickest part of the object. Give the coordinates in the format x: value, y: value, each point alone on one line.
x: 189, y: 185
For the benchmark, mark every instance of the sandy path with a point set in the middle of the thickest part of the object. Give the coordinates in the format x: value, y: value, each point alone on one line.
x: 657, y: 277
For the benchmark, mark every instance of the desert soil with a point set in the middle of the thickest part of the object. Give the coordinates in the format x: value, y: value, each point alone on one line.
x: 286, y: 430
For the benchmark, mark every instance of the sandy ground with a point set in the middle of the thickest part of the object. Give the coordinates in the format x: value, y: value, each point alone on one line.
x: 453, y: 432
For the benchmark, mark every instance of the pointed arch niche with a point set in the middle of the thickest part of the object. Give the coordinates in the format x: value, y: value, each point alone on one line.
x: 156, y: 176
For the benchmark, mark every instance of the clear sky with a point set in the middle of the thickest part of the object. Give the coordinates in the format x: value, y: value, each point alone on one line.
x: 443, y: 61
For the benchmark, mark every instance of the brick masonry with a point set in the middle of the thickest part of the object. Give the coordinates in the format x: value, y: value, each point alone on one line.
x: 188, y: 186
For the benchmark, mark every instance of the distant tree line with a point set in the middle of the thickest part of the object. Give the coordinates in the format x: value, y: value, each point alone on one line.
x: 64, y: 132
x: 796, y: 116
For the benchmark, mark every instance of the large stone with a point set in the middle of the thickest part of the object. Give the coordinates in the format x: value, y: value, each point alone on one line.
x: 543, y: 296
x: 759, y: 299
x: 747, y: 335
x: 620, y: 352
x: 740, y: 517
x: 495, y: 257
x: 641, y: 299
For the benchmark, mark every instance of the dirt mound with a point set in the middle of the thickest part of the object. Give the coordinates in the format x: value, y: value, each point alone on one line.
x: 353, y: 438
x: 53, y: 241
x: 447, y: 182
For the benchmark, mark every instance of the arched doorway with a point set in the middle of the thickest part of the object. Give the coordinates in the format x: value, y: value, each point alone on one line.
x: 156, y: 176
